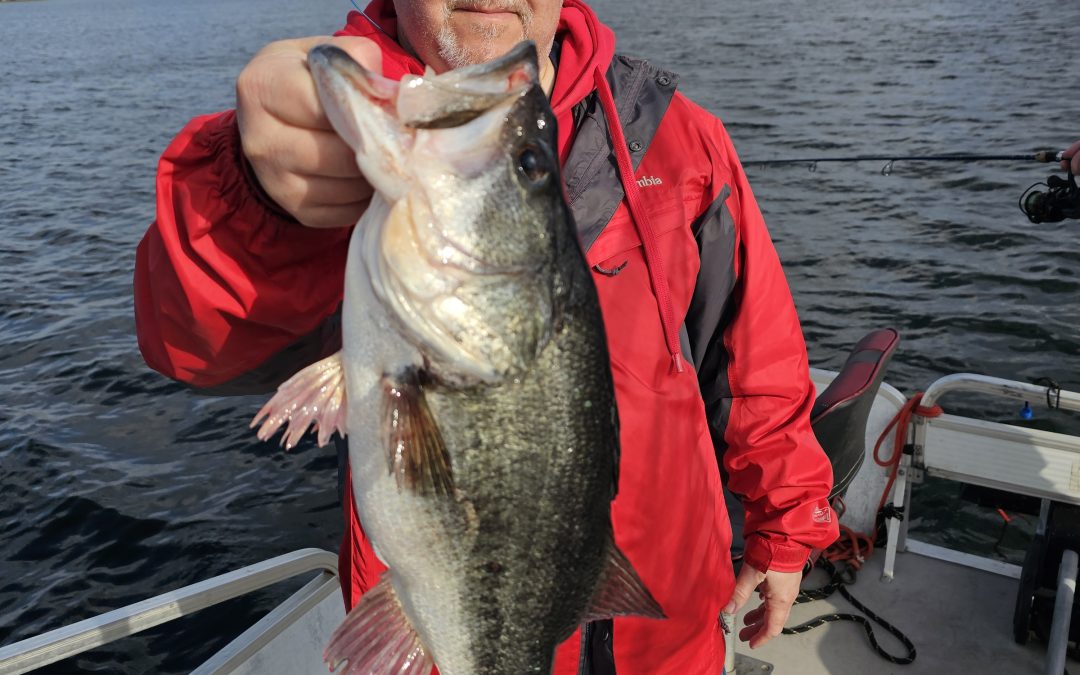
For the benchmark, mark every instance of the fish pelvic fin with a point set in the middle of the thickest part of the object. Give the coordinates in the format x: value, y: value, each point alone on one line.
x: 316, y: 395
x: 415, y: 451
x: 376, y: 637
x: 621, y: 592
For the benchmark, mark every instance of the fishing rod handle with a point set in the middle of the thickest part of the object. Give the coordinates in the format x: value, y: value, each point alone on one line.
x: 1046, y: 156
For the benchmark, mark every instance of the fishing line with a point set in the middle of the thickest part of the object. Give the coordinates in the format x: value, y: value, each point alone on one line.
x: 1043, y: 156
x: 370, y: 20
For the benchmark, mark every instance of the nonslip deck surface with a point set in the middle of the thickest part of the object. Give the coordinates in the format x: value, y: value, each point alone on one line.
x: 959, y: 619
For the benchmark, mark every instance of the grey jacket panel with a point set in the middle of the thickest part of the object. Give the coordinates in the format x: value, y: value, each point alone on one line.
x: 711, y: 308
x: 642, y: 94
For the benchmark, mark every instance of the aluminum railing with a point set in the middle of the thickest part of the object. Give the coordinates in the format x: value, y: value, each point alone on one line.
x: 68, y: 641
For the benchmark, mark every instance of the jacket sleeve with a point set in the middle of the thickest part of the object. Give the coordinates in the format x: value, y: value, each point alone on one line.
x: 751, y: 357
x: 224, y: 279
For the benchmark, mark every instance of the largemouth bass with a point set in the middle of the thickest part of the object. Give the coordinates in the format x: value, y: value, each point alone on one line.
x: 473, y: 381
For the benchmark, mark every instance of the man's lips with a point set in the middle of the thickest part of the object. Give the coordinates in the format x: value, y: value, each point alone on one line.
x: 490, y: 11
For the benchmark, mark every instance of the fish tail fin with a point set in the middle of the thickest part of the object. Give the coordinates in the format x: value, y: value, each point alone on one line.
x: 621, y: 592
x: 376, y: 637
x: 315, y: 394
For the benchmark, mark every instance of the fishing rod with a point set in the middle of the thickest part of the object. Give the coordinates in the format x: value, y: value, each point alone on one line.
x: 1060, y: 199
x: 1044, y: 156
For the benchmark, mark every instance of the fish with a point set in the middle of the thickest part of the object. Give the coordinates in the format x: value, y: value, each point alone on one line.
x: 473, y: 384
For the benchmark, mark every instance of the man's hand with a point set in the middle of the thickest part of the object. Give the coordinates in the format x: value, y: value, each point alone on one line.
x: 777, y: 591
x: 300, y: 161
x: 1070, y: 159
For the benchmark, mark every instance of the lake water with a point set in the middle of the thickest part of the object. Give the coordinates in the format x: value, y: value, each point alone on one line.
x: 116, y: 484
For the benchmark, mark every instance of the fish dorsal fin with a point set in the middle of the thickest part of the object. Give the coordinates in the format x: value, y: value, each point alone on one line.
x: 415, y: 450
x: 621, y: 591
x: 376, y: 637
x: 315, y: 394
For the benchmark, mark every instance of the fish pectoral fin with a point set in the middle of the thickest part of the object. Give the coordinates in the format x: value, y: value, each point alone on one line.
x: 376, y: 637
x: 415, y: 452
x: 621, y: 591
x: 316, y: 395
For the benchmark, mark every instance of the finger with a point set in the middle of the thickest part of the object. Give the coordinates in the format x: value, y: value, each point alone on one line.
x: 334, y: 216
x: 276, y: 82
x: 302, y: 106
x: 751, y: 631
x: 298, y: 193
x: 1071, y: 153
x: 776, y: 615
x: 322, y: 202
x: 748, y: 580
x: 754, y: 616
x: 300, y: 151
x: 324, y: 153
x: 363, y: 50
x: 334, y: 192
x: 747, y: 634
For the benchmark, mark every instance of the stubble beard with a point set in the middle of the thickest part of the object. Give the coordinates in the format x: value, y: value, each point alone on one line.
x: 483, y: 48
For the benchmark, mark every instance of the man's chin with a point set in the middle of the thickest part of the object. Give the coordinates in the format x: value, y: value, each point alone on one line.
x: 471, y: 48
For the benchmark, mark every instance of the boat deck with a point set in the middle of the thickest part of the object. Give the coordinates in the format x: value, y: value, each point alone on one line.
x: 960, y: 620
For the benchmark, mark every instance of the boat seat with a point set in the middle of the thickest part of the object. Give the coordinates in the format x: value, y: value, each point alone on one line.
x: 840, y: 412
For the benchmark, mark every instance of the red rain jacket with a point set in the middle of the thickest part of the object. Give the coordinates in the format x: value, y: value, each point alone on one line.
x: 232, y: 293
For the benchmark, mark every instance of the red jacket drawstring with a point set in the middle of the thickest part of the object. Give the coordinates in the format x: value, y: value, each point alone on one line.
x: 640, y: 216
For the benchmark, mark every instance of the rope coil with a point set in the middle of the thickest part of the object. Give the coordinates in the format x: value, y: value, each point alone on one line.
x: 838, y: 581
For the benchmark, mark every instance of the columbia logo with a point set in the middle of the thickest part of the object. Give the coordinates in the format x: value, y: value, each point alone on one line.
x: 649, y: 180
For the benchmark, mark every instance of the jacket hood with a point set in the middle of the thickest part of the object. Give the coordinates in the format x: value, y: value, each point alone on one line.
x: 587, y: 46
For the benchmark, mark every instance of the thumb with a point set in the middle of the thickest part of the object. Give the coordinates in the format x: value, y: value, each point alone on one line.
x: 363, y: 50
x: 748, y: 580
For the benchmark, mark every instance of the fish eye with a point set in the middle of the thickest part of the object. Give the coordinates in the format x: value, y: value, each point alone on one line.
x: 531, y: 165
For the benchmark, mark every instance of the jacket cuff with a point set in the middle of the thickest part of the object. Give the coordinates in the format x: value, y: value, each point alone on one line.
x: 764, y: 555
x: 225, y: 139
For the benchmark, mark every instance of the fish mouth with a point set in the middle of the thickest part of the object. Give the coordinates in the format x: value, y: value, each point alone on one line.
x: 456, y: 119
x: 360, y: 105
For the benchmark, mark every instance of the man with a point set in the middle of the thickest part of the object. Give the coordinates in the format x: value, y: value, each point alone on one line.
x: 1070, y: 159
x: 239, y: 279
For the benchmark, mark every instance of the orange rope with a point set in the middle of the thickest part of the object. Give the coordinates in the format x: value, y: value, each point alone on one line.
x: 901, y: 421
x: 852, y: 547
x: 855, y: 547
